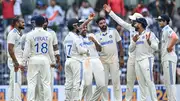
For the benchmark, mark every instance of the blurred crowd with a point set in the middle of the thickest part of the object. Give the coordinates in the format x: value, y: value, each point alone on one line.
x: 58, y: 14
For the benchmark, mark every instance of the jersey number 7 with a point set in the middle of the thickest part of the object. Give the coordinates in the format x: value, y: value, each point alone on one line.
x: 68, y: 51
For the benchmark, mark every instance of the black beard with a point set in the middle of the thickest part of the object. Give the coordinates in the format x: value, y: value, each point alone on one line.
x: 136, y: 28
x: 21, y: 27
x: 104, y: 28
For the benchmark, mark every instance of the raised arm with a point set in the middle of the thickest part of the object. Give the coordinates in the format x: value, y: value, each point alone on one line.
x: 120, y: 21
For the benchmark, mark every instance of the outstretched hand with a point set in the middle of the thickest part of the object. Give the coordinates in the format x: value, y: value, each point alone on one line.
x: 107, y: 8
x: 91, y: 16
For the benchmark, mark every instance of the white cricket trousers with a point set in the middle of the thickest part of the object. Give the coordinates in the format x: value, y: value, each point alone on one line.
x: 39, y: 66
x: 39, y: 88
x: 131, y: 78
x: 113, y: 69
x: 144, y: 72
x: 73, y: 74
x: 169, y: 71
x: 14, y: 91
x: 93, y: 66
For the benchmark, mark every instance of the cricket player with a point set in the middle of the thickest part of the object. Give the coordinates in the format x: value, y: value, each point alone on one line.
x: 75, y: 53
x: 168, y: 56
x: 93, y: 67
x: 15, y: 54
x: 109, y: 39
x: 144, y: 43
x: 39, y: 44
x: 131, y: 75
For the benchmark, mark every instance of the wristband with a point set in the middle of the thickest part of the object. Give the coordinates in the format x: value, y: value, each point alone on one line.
x: 56, y: 52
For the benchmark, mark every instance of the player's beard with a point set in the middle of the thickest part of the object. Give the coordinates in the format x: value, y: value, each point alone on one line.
x: 21, y: 27
x: 104, y: 27
x: 136, y: 28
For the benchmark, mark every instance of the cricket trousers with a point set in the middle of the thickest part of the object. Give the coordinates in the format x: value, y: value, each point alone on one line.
x: 93, y: 66
x: 169, y: 71
x: 14, y: 91
x: 73, y: 74
x: 39, y: 67
x: 39, y: 88
x: 144, y: 72
x: 113, y: 70
x: 131, y: 77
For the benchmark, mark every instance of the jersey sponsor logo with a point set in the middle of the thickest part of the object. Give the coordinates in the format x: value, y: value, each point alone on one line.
x: 139, y: 42
x: 39, y: 38
x: 87, y: 43
x: 107, y: 42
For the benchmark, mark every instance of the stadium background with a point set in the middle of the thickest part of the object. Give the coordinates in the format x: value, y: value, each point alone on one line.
x: 30, y: 8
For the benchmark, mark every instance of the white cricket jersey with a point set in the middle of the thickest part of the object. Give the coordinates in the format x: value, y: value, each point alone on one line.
x: 74, y: 46
x: 108, y: 41
x: 165, y: 41
x: 38, y: 42
x: 127, y: 26
x: 14, y: 37
x: 90, y: 46
x: 55, y: 41
x: 143, y: 49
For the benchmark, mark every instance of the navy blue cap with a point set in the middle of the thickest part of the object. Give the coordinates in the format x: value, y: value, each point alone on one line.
x: 71, y: 22
x: 142, y: 21
x: 33, y: 19
x: 39, y: 20
x: 163, y: 17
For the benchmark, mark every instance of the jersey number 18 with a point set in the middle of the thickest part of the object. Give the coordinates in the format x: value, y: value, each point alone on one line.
x: 43, y: 48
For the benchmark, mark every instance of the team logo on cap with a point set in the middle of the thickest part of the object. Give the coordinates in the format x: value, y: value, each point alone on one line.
x: 110, y: 36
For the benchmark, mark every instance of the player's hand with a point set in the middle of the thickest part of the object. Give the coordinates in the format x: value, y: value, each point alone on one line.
x: 52, y: 65
x: 169, y: 49
x: 16, y: 67
x: 107, y: 8
x: 91, y: 38
x: 148, y: 36
x: 59, y: 67
x: 91, y: 16
x: 136, y: 37
x: 121, y: 62
x: 21, y: 67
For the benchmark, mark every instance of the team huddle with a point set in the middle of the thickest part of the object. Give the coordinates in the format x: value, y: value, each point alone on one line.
x: 90, y: 55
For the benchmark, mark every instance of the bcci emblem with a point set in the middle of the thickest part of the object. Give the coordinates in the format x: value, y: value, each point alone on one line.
x: 100, y: 38
x: 110, y: 36
x: 143, y: 37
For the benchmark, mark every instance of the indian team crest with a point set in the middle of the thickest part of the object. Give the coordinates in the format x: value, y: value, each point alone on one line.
x: 110, y: 36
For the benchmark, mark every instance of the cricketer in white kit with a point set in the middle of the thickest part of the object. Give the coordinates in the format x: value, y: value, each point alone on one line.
x: 39, y: 44
x: 131, y: 75
x: 109, y: 39
x: 168, y: 56
x: 144, y: 43
x: 93, y: 66
x: 75, y: 53
x: 15, y: 54
x: 58, y: 66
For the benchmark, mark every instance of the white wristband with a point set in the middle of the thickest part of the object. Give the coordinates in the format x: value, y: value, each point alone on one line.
x: 56, y: 52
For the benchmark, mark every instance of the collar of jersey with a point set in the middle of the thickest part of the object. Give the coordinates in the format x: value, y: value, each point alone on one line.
x: 17, y: 31
x: 165, y: 27
x: 74, y: 34
x: 104, y: 33
x: 38, y: 28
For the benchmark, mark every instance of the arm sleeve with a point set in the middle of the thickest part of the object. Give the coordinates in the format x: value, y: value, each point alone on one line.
x: 154, y: 42
x: 51, y: 51
x: 26, y: 52
x: 79, y: 46
x: 117, y: 36
x: 11, y: 38
x: 120, y: 21
x: 132, y: 46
